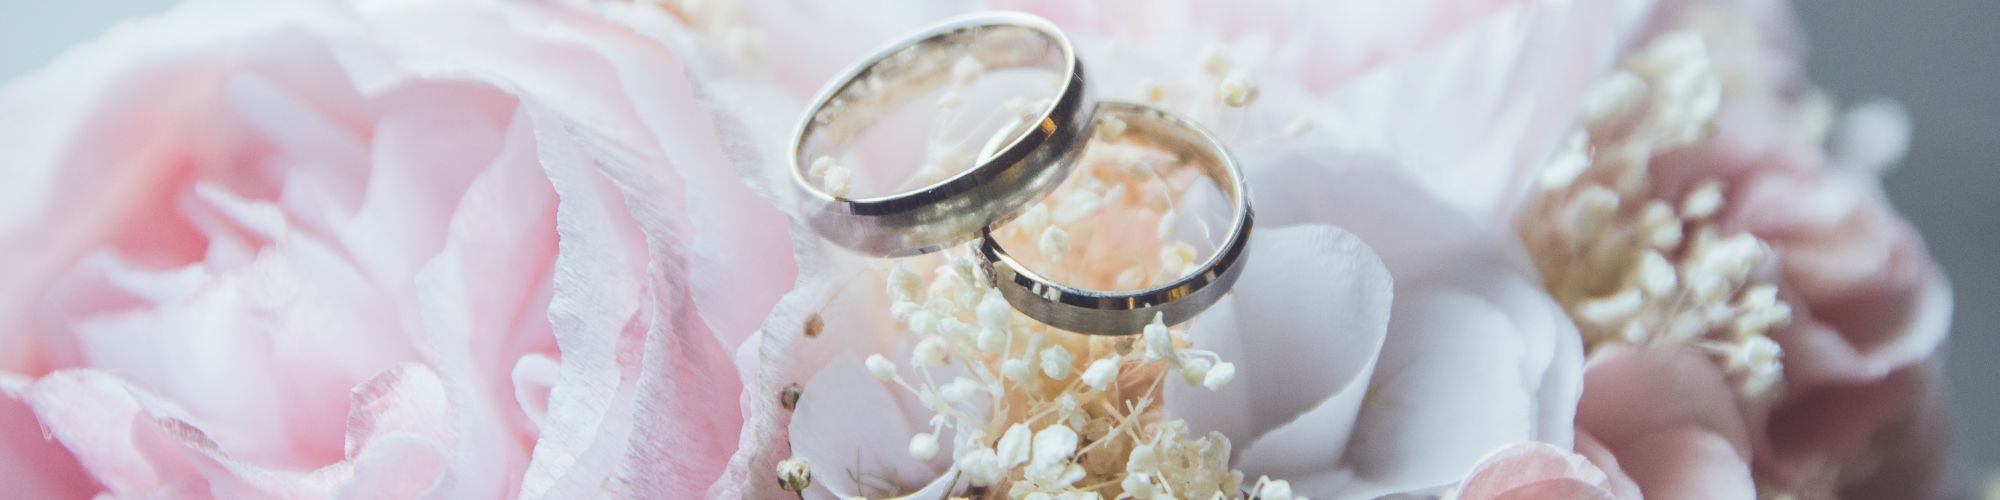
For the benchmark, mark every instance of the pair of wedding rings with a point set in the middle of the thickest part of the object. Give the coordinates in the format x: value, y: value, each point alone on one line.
x: 1011, y: 176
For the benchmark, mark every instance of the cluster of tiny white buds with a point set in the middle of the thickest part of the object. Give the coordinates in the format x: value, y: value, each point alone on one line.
x: 1065, y: 408
x: 836, y: 179
x: 1636, y: 266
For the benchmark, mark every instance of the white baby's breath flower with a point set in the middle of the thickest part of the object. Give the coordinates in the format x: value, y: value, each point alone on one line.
x: 1101, y: 373
x: 881, y: 367
x: 1219, y: 376
x: 1236, y: 90
x: 1056, y: 362
x: 1014, y: 445
x: 923, y: 446
x: 838, y: 181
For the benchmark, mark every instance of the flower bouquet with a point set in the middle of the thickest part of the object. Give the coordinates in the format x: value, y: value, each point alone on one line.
x: 560, y: 249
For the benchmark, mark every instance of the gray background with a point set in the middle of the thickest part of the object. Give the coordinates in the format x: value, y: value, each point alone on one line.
x: 1941, y: 58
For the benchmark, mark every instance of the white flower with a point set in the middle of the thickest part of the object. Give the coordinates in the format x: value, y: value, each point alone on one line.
x: 881, y: 367
x: 1101, y: 373
x: 1013, y: 446
x: 923, y: 446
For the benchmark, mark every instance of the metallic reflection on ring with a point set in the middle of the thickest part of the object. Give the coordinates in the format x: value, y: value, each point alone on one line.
x: 1127, y: 312
x: 996, y: 189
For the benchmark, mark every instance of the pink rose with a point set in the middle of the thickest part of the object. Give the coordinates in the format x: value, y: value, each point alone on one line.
x: 396, y: 249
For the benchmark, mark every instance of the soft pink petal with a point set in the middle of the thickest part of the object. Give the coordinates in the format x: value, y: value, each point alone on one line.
x: 1471, y: 331
x: 1303, y: 326
x: 1538, y: 57
x: 33, y: 464
x: 1689, y: 463
x: 1631, y: 392
x: 595, y: 311
x: 1534, y: 470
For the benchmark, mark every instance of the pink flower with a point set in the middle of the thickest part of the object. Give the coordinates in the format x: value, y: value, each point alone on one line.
x: 1855, y: 413
x: 396, y: 249
x: 1535, y: 471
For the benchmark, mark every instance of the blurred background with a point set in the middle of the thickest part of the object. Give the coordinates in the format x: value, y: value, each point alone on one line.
x: 1940, y: 58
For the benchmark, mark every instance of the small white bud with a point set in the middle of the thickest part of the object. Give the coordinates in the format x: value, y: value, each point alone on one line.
x: 1142, y: 458
x: 1589, y: 212
x: 923, y: 322
x: 992, y: 341
x: 1159, y: 344
x: 1053, y: 445
x: 1275, y: 490
x: 1140, y: 486
x: 929, y: 351
x: 1664, y: 229
x: 1015, y: 370
x: 994, y: 312
x: 1013, y: 446
x: 1054, y: 243
x: 903, y: 284
x: 838, y: 180
x: 1168, y: 222
x: 1656, y: 275
x: 1056, y: 362
x: 923, y: 446
x: 1195, y: 370
x: 881, y: 367
x: 1754, y: 353
x: 982, y: 467
x: 1236, y: 90
x: 1101, y: 373
x: 1219, y: 376
x: 1610, y: 309
x: 1703, y: 201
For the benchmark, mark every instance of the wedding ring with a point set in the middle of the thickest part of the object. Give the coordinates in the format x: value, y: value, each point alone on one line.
x: 1127, y: 312
x: 998, y: 186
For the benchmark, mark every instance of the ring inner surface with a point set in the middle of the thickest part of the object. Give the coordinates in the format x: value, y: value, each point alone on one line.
x: 900, y: 78
x: 1157, y: 150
